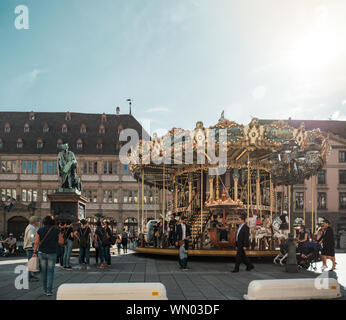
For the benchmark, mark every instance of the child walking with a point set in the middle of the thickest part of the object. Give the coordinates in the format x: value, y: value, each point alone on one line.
x: 182, y: 255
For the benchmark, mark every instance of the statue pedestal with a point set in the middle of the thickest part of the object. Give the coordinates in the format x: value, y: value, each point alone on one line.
x: 68, y: 204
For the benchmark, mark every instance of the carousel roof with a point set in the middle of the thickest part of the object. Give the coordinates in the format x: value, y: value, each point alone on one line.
x: 179, y: 151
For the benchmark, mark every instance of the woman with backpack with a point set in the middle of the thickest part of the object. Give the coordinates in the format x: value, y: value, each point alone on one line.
x: 46, y: 245
x: 84, y: 236
x: 99, y: 236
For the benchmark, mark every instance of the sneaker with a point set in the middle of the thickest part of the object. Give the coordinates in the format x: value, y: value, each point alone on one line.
x: 80, y: 268
x: 68, y: 268
x: 48, y: 294
x: 88, y: 267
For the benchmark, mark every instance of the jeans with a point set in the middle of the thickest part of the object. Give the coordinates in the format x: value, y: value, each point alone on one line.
x: 67, y: 253
x: 84, y: 253
x: 107, y: 253
x: 29, y: 253
x: 101, y: 252
x: 60, y: 255
x: 47, y: 265
x: 183, y: 262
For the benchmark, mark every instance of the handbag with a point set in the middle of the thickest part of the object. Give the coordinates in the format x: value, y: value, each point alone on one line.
x: 32, y: 264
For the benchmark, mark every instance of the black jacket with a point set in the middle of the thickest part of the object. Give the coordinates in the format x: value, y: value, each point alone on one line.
x: 179, y: 232
x: 243, y: 237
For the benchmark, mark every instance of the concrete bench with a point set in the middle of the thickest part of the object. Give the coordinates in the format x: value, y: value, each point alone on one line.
x: 112, y: 291
x: 293, y: 289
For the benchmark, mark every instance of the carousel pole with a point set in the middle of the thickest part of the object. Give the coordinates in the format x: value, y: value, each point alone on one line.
x: 176, y: 196
x: 217, y: 187
x: 304, y: 207
x: 235, y: 189
x: 316, y: 202
x: 155, y: 191
x: 142, y: 200
x: 258, y: 193
x: 163, y: 198
x: 201, y: 201
x: 211, y: 188
x: 271, y: 195
x: 248, y: 188
x: 312, y: 207
x: 138, y: 195
x: 190, y: 193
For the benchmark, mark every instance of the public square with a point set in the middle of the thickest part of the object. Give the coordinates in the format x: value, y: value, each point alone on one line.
x: 208, y: 279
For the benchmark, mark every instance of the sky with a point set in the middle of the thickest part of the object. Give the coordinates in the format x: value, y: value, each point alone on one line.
x: 180, y: 61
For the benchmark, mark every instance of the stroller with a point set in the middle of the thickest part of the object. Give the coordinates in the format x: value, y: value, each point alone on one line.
x: 309, y: 255
x: 281, y: 258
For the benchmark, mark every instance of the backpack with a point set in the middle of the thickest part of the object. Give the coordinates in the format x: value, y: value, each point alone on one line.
x: 83, y: 243
x: 112, y: 239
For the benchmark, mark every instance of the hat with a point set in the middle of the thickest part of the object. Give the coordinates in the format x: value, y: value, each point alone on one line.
x: 83, y: 222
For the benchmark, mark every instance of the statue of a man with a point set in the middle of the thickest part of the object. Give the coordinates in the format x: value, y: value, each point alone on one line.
x: 67, y: 165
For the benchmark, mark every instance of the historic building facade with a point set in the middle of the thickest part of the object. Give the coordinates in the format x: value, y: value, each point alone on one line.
x: 29, y: 145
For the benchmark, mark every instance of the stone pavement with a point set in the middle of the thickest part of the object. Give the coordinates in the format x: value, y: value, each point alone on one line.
x: 208, y: 278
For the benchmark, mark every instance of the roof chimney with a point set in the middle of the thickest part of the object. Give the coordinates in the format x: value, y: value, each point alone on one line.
x: 117, y: 111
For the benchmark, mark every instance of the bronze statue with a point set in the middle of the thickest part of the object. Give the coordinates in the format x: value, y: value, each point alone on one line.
x: 67, y: 165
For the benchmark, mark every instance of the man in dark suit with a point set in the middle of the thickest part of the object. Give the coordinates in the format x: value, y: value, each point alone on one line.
x: 242, y: 243
x: 183, y: 232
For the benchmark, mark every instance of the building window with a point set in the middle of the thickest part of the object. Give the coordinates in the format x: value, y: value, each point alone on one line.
x: 29, y: 167
x: 8, y: 194
x: 101, y: 129
x: 7, y: 128
x: 110, y: 167
x: 83, y: 128
x: 26, y: 128
x: 322, y: 200
x: 321, y: 177
x: 110, y: 196
x: 39, y: 144
x: 19, y: 143
x: 130, y: 196
x: 342, y: 200
x: 29, y: 195
x: 64, y: 128
x: 45, y: 194
x: 99, y: 145
x: 32, y: 116
x: 103, y: 117
x: 126, y: 169
x: 59, y: 144
x: 79, y: 144
x: 342, y: 156
x: 342, y: 176
x: 89, y: 167
x: 91, y: 195
x: 8, y: 166
x: 68, y: 116
x: 45, y: 128
x: 49, y: 167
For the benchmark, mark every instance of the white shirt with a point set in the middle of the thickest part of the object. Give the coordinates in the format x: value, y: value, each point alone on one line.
x: 29, y: 236
x: 183, y: 228
x: 239, y: 231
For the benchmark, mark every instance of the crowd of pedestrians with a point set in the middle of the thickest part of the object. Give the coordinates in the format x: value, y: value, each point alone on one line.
x: 53, y: 243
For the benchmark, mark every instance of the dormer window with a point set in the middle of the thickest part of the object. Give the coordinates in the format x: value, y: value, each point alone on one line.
x: 39, y: 144
x: 101, y: 129
x: 68, y: 116
x: 120, y: 127
x: 104, y: 117
x: 45, y: 128
x: 79, y: 144
x: 7, y: 128
x: 19, y: 143
x: 32, y: 116
x: 59, y: 144
x: 83, y: 128
x: 64, y: 128
x: 26, y: 128
x: 99, y: 145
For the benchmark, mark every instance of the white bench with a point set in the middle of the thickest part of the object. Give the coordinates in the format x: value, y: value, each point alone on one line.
x: 112, y: 291
x: 293, y: 289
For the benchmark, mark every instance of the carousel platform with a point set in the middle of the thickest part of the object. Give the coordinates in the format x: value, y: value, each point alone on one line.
x: 208, y: 252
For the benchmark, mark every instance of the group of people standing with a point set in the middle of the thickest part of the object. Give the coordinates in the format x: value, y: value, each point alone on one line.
x: 53, y: 243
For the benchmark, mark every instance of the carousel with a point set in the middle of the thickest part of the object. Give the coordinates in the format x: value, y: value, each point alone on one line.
x: 212, y: 175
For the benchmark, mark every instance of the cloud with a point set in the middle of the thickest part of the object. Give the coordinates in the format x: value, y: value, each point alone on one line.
x: 259, y: 92
x: 344, y: 102
x: 29, y: 78
x: 159, y: 109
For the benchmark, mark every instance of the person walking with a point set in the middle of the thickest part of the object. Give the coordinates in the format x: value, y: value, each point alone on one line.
x: 29, y: 240
x: 45, y: 246
x: 61, y: 247
x: 107, y: 243
x: 328, y: 245
x: 242, y: 243
x: 118, y: 243
x: 68, y: 236
x: 124, y: 240
x: 183, y: 232
x: 172, y: 230
x: 99, y: 236
x: 84, y: 236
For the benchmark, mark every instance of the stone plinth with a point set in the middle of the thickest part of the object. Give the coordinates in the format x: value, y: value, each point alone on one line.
x: 68, y: 204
